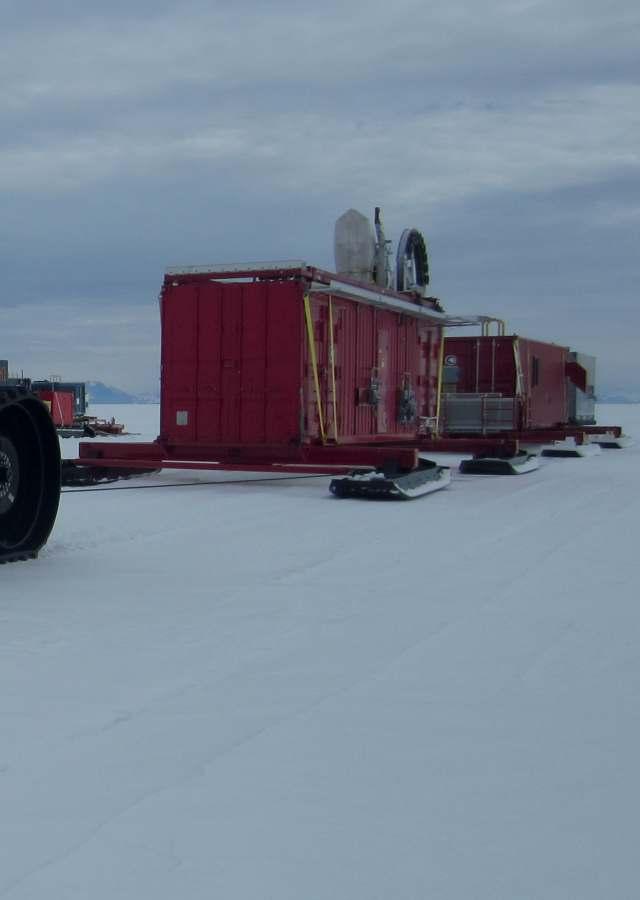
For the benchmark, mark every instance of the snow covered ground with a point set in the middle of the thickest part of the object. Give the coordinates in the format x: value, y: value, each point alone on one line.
x: 258, y: 691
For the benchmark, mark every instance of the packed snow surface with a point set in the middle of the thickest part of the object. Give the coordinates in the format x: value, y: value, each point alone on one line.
x: 254, y: 691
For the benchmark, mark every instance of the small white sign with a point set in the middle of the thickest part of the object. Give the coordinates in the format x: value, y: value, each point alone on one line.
x: 182, y: 417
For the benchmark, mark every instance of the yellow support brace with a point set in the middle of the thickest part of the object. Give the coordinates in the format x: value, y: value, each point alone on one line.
x: 519, y: 373
x: 314, y: 363
x: 332, y: 362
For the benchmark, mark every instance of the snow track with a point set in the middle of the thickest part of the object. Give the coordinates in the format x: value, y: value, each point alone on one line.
x: 259, y: 691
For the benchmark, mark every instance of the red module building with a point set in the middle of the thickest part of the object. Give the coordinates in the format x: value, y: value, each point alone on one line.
x: 285, y: 367
x: 506, y: 383
x: 289, y: 356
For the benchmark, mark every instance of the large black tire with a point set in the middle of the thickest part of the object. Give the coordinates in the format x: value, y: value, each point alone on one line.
x: 29, y: 474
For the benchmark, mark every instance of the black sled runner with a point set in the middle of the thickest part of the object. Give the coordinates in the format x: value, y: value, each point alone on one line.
x: 386, y: 484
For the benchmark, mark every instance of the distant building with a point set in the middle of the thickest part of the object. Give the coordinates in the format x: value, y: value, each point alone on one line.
x: 77, y: 388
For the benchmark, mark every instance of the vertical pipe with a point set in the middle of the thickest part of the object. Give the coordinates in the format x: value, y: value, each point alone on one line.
x: 493, y: 365
x: 477, y: 366
x: 439, y: 395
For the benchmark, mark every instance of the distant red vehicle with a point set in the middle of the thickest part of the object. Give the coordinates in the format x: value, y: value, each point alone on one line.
x: 61, y: 406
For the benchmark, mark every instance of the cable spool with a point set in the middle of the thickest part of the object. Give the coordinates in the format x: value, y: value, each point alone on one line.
x: 412, y: 262
x: 29, y: 475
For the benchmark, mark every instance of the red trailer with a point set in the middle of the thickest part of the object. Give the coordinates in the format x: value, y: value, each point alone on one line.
x: 506, y: 382
x: 289, y: 366
x: 61, y: 406
x: 297, y: 358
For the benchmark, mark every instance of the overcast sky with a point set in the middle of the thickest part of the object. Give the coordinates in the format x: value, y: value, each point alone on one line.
x: 143, y: 134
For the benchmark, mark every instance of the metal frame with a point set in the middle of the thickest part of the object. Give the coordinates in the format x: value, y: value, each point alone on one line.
x: 316, y: 458
x: 313, y: 458
x: 318, y: 281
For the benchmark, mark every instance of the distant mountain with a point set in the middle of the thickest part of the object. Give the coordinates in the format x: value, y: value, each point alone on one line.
x: 105, y: 393
x: 617, y: 398
x: 618, y: 395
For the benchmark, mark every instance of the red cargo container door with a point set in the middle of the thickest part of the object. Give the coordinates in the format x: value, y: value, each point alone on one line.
x: 544, y: 374
x: 236, y: 395
x: 249, y: 363
x: 179, y: 313
x: 231, y: 363
x: 428, y: 349
x: 208, y: 373
x: 283, y: 337
x: 232, y: 412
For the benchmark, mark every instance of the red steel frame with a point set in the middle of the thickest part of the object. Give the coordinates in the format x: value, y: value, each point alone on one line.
x: 316, y: 459
x: 312, y: 458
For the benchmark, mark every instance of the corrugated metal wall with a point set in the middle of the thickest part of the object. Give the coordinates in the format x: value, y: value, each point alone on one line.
x: 486, y: 365
x: 544, y: 373
x: 376, y: 354
x: 231, y: 363
x: 496, y: 364
x: 237, y: 367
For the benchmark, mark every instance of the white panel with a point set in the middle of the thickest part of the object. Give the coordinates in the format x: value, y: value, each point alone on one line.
x: 354, y: 246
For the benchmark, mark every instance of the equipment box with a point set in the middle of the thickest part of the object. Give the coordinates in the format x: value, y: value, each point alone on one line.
x: 537, y: 374
x: 293, y: 356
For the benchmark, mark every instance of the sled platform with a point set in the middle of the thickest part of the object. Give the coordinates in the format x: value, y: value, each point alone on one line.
x: 571, y: 451
x: 486, y: 464
x: 612, y: 441
x: 74, y: 475
x: 387, y: 485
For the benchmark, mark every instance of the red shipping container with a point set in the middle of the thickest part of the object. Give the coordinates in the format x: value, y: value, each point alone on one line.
x: 513, y: 366
x: 291, y: 357
x: 61, y: 406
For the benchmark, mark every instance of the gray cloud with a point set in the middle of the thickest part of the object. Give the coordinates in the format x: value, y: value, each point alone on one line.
x: 147, y: 134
